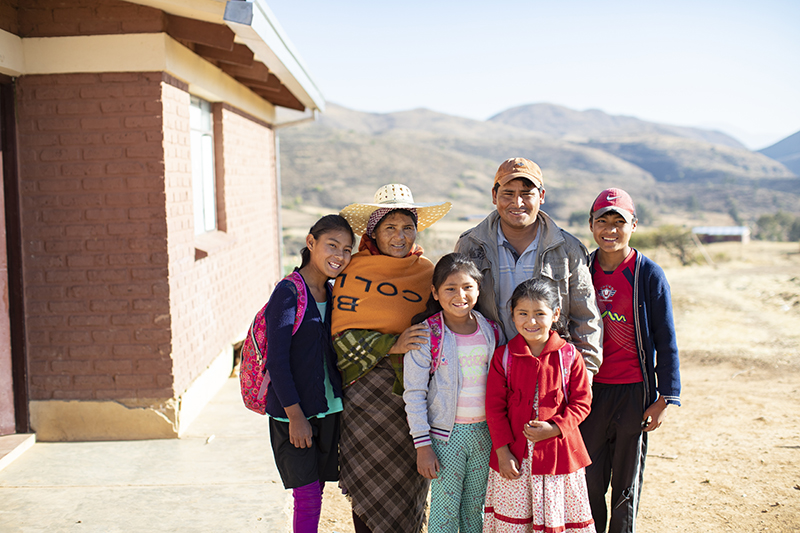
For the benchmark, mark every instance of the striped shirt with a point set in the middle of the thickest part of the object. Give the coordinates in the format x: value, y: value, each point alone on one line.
x: 473, y: 359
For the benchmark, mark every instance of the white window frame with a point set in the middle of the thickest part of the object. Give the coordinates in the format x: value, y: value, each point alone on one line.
x: 204, y: 184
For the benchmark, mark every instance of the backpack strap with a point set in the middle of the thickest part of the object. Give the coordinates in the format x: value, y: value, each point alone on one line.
x: 496, y: 330
x: 302, y: 303
x: 437, y: 332
x: 566, y: 356
x: 302, y: 299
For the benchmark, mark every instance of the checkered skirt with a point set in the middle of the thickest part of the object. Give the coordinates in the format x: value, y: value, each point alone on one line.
x: 377, y: 458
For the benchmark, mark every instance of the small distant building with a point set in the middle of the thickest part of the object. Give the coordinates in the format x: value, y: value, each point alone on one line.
x: 709, y: 234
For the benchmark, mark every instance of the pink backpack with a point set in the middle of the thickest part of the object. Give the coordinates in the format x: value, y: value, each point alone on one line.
x: 566, y: 356
x: 253, y: 374
x: 437, y: 332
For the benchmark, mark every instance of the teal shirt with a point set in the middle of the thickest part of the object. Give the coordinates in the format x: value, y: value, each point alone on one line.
x: 334, y: 403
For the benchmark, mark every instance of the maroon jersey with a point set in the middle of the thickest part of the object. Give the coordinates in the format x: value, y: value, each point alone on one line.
x: 615, y: 300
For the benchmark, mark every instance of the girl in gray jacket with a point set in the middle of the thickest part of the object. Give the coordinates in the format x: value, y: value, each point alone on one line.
x: 445, y: 394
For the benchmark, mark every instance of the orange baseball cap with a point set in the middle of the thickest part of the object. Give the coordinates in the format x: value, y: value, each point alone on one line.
x: 518, y: 167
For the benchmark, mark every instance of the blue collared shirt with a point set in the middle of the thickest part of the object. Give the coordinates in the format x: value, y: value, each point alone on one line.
x: 513, y: 271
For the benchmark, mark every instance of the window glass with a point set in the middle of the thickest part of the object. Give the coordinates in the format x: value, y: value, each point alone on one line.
x: 203, y: 181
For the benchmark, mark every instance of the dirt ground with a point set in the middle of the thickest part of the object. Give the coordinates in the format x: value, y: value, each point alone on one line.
x: 728, y: 459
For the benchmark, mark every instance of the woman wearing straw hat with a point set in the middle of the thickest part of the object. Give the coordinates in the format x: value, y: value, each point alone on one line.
x: 385, y: 285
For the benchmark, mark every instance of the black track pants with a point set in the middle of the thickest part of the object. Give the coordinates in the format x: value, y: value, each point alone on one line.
x: 615, y: 441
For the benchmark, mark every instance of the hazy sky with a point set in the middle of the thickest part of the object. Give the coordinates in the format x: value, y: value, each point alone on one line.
x: 730, y: 65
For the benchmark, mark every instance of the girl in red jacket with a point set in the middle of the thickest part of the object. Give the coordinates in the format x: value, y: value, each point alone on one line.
x: 537, y: 393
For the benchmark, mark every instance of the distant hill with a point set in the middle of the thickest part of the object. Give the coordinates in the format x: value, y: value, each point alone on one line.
x: 346, y: 155
x: 558, y: 121
x: 349, y: 154
x: 787, y: 152
x: 675, y: 159
x: 417, y: 122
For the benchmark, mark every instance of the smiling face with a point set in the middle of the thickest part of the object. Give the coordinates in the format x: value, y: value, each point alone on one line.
x: 612, y: 233
x: 395, y: 234
x: 457, y: 295
x: 331, y: 252
x: 533, y: 320
x: 518, y: 203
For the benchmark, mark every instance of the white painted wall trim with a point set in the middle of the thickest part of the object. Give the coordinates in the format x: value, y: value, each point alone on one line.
x: 12, y: 56
x: 96, y: 53
x: 143, y: 52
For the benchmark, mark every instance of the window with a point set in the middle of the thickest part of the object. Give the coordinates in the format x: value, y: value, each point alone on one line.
x: 203, y: 181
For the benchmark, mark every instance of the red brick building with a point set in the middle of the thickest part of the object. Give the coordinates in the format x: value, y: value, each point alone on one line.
x: 142, y: 205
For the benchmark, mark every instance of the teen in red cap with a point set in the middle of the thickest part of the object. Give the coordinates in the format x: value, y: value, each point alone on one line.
x: 640, y: 374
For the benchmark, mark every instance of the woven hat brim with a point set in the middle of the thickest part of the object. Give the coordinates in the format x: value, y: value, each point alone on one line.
x: 427, y: 214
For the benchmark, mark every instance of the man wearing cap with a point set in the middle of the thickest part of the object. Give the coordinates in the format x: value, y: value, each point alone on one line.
x: 518, y: 241
x: 640, y: 375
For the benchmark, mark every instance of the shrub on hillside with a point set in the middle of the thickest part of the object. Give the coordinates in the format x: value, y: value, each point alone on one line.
x: 579, y: 218
x: 794, y: 233
x: 677, y: 241
x: 778, y: 226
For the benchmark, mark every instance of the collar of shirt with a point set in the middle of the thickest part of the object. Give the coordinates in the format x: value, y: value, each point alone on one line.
x: 513, y: 269
x: 502, y: 243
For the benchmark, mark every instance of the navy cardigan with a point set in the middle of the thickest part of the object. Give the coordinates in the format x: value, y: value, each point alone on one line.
x: 295, y: 362
x: 655, y: 331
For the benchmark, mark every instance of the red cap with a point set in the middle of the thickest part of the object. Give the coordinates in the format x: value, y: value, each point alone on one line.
x: 615, y: 200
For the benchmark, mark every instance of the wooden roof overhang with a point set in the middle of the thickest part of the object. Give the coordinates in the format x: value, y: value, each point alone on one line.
x: 216, y: 44
x: 245, y: 40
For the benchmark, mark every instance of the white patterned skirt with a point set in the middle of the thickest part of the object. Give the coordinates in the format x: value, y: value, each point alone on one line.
x: 554, y: 504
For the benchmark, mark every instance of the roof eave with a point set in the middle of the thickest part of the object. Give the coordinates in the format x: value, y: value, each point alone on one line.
x: 256, y: 26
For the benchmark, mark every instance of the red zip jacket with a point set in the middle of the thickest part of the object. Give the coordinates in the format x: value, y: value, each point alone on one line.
x: 509, y: 406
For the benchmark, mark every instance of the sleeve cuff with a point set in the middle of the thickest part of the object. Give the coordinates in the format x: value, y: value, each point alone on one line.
x: 673, y: 400
x: 422, y: 440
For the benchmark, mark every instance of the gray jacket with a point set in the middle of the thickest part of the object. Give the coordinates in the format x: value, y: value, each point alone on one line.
x: 431, y: 399
x: 560, y: 258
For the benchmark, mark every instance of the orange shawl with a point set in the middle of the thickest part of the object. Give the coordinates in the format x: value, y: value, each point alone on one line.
x: 381, y: 293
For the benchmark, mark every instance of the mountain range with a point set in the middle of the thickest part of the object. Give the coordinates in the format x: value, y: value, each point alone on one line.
x: 672, y: 171
x: 786, y: 151
x: 562, y: 122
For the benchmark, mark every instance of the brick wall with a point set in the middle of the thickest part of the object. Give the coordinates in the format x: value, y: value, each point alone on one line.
x: 9, y: 20
x: 117, y: 306
x: 94, y: 236
x: 214, y: 298
x: 55, y: 18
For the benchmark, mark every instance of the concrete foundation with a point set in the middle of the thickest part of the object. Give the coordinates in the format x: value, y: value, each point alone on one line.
x: 137, y: 419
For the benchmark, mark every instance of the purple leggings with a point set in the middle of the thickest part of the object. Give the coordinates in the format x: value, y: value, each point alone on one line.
x: 307, y: 507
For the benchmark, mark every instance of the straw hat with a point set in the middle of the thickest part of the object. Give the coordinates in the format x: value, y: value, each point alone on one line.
x: 393, y: 196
